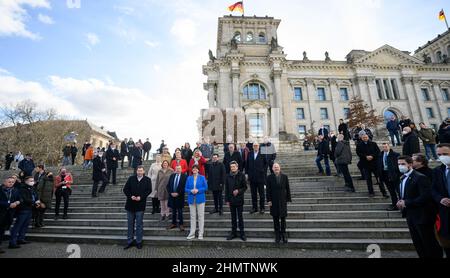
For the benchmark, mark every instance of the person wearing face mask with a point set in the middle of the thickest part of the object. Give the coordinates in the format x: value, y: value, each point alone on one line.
x: 416, y: 205
x: 9, y: 201
x: 63, y: 184
x: 44, y: 187
x: 28, y: 199
x: 99, y: 174
x: 333, y: 141
x: 441, y: 196
x: 411, y: 142
x: 112, y: 163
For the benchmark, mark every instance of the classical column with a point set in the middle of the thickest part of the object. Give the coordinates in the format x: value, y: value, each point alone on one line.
x: 310, y: 92
x: 373, y: 93
x: 235, y: 81
x: 364, y: 90
x: 438, y: 99
x: 278, y: 98
x: 212, y: 94
x: 334, y: 92
x: 413, y: 98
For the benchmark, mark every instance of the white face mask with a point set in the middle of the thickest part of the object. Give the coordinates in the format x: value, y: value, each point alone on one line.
x: 404, y: 132
x: 403, y: 169
x: 30, y: 183
x: 445, y: 159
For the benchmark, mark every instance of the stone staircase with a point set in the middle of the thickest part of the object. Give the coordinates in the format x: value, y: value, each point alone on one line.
x: 321, y: 216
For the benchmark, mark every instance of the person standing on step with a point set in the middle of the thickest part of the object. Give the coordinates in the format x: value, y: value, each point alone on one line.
x: 323, y: 131
x: 323, y: 153
x: 196, y: 187
x: 393, y: 128
x: 343, y: 158
x: 63, y: 184
x: 28, y: 199
x: 420, y: 164
x: 255, y: 170
x: 333, y: 141
x: 88, y: 157
x: 74, y: 152
x: 176, y: 190
x: 186, y: 152
x: 165, y: 155
x: 343, y: 129
x: 179, y: 161
x: 368, y: 152
x: 131, y: 145
x: 161, y: 184
x: 123, y: 151
x: 99, y: 174
x: 137, y: 189
x: 441, y: 196
x: 269, y: 153
x: 411, y: 142
x: 147, y: 149
x: 9, y: 201
x: 278, y: 195
x: 9, y: 158
x: 232, y: 155
x: 136, y: 153
x: 207, y: 150
x: 216, y: 182
x: 153, y: 175
x: 244, y: 151
x: 112, y: 163
x: 417, y: 206
x: 235, y: 187
x: 67, y: 153
x: 388, y: 173
x: 27, y: 165
x: 44, y: 187
x: 199, y: 161
x: 428, y: 137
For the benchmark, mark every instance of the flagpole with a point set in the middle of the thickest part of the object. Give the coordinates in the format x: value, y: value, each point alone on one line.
x: 243, y: 10
x: 445, y: 18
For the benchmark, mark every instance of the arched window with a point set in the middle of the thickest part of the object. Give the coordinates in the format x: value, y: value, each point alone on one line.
x: 255, y: 91
x: 438, y: 56
x: 237, y: 36
x: 262, y: 37
x: 249, y: 37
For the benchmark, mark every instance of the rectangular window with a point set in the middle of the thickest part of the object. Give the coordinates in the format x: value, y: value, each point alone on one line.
x: 321, y: 94
x: 298, y: 94
x: 324, y: 113
x: 379, y: 89
x: 346, y: 112
x: 256, y: 125
x: 395, y: 89
x: 445, y: 94
x: 302, y: 129
x: 300, y: 114
x: 425, y: 94
x: 430, y: 113
x: 344, y: 94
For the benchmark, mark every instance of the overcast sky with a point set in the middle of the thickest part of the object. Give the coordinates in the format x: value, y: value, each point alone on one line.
x: 134, y: 66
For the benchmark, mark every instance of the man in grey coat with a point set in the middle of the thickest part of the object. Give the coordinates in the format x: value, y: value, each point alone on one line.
x: 428, y: 137
x: 343, y: 157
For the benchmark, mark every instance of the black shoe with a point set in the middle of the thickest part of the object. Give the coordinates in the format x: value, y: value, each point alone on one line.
x: 139, y: 246
x: 153, y: 212
x: 349, y: 189
x: 262, y: 211
x: 253, y: 211
x: 94, y: 196
x: 231, y: 236
x: 214, y: 211
x: 277, y: 238
x: 13, y: 246
x: 23, y: 242
x: 221, y: 212
x: 244, y: 238
x: 130, y: 245
x: 392, y: 208
x: 361, y: 179
x: 56, y: 217
x: 386, y: 196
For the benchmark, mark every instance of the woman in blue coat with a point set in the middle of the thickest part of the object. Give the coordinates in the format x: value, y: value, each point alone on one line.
x: 196, y: 187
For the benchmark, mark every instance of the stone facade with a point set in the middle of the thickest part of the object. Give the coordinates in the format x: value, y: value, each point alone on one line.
x: 250, y: 71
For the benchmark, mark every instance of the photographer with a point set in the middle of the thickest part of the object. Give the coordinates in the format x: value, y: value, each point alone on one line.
x: 63, y: 183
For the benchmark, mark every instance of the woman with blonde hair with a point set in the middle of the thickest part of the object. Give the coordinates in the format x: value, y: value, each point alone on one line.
x: 153, y: 175
x: 196, y: 187
x: 161, y: 184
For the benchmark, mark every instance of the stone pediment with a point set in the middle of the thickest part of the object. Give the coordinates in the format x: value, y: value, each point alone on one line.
x: 257, y: 104
x: 388, y: 55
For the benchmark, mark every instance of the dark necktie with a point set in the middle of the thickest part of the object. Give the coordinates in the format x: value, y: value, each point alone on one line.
x: 175, y: 186
x: 448, y: 181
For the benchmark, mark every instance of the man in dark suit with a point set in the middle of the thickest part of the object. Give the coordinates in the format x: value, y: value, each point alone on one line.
x: 99, y: 174
x: 368, y: 153
x: 323, y: 131
x: 389, y: 173
x: 123, y: 151
x: 216, y: 181
x: 343, y: 129
x: 278, y: 195
x: 233, y: 155
x: 112, y: 162
x: 323, y: 153
x: 235, y: 187
x: 136, y: 190
x: 441, y: 195
x: 175, y: 188
x: 256, y: 165
x: 418, y: 208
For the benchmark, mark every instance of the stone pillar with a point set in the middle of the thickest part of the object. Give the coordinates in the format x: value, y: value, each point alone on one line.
x: 212, y: 94
x: 310, y: 92
x: 413, y: 98
x: 439, y: 99
x: 235, y: 83
x: 278, y: 98
x: 334, y: 92
x: 364, y: 90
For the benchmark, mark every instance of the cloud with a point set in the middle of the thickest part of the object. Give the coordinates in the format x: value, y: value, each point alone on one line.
x: 184, y: 31
x: 152, y: 44
x: 46, y: 19
x: 92, y: 39
x: 13, y: 17
x: 126, y: 10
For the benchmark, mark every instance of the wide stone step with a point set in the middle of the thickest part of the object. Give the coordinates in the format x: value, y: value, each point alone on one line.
x: 211, y: 242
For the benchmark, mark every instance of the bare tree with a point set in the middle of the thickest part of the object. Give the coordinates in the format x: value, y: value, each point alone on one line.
x: 361, y: 113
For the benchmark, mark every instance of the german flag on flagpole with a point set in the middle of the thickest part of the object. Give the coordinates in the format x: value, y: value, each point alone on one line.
x: 239, y: 6
x: 442, y: 15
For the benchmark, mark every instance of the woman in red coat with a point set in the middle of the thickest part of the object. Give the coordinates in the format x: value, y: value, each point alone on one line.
x: 179, y: 161
x: 199, y: 160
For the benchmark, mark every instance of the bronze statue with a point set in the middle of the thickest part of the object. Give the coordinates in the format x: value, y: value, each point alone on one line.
x: 211, y: 56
